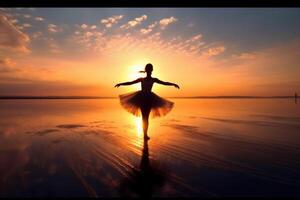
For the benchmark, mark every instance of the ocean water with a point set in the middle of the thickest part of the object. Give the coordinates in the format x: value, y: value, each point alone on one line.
x: 202, y: 148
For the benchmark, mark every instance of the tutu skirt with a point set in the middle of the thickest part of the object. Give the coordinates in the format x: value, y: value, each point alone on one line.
x: 136, y: 101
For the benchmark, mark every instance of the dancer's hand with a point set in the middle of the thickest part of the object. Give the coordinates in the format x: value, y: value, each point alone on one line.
x: 175, y: 85
x: 118, y: 85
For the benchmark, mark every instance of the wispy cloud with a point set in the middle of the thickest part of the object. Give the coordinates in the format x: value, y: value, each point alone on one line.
x: 7, y: 65
x: 39, y: 18
x: 147, y: 40
x: 84, y: 26
x: 167, y: 21
x: 52, y: 28
x: 26, y: 25
x: 88, y: 37
x: 108, y: 22
x: 27, y: 16
x: 53, y: 45
x: 37, y: 35
x: 134, y: 22
x: 14, y: 21
x: 163, y: 23
x: 195, y: 38
x: 6, y: 62
x: 12, y: 37
x: 149, y: 28
x: 214, y: 51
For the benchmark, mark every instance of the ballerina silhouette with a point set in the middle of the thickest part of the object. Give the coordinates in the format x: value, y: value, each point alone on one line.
x: 144, y: 101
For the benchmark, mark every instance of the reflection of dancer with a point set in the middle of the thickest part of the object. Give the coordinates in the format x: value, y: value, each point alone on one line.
x: 145, y: 165
x: 145, y: 180
x: 145, y: 101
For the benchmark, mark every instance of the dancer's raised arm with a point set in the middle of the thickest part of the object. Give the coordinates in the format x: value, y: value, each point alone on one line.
x: 129, y: 83
x: 156, y: 80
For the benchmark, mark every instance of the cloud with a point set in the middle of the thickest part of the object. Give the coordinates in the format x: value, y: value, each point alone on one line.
x: 194, y: 39
x: 84, y: 26
x: 14, y: 21
x: 27, y: 16
x: 149, y: 29
x: 141, y: 18
x: 54, y: 47
x: 154, y: 42
x: 88, y: 34
x: 145, y: 31
x: 6, y: 65
x: 39, y: 19
x: 5, y: 61
x: 155, y: 36
x: 37, y: 35
x: 12, y: 37
x: 213, y: 51
x: 26, y: 25
x: 91, y: 39
x: 108, y: 22
x: 167, y: 21
x: 52, y: 28
x: 134, y: 22
x: 191, y: 46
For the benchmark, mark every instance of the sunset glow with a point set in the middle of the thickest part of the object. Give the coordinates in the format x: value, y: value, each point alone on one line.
x: 139, y: 127
x: 86, y: 51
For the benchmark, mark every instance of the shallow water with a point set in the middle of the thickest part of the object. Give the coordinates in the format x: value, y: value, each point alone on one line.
x: 203, y: 147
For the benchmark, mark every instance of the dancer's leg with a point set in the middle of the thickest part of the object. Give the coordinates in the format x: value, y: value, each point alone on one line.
x: 145, y: 117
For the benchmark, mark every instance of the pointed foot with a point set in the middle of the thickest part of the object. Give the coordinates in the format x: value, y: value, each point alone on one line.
x: 146, y: 137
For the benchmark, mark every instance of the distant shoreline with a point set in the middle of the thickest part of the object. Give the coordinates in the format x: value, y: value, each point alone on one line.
x: 194, y: 97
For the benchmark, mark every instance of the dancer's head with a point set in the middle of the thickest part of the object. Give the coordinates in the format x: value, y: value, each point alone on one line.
x: 149, y: 68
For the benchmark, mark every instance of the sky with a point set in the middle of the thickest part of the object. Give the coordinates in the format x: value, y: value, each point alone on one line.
x: 206, y: 51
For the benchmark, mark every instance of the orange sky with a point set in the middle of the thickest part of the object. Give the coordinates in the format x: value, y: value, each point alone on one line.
x: 90, y: 60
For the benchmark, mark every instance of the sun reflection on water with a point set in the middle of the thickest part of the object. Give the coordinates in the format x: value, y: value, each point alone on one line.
x: 139, y: 127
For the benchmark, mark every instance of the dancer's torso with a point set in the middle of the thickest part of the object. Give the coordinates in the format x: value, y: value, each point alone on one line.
x: 147, y: 84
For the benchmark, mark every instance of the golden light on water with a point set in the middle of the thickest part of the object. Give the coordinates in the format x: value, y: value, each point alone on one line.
x: 139, y: 126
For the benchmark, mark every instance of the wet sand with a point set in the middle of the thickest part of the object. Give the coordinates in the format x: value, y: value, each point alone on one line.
x: 203, y: 148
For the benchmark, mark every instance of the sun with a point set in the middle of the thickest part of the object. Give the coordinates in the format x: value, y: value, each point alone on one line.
x: 132, y: 73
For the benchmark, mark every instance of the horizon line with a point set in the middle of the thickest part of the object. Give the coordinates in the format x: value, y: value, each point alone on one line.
x: 111, y: 97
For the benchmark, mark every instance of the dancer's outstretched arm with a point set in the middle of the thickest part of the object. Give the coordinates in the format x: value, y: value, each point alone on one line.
x: 156, y: 80
x: 129, y: 83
